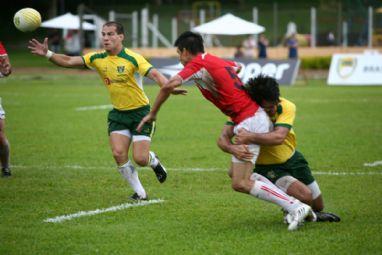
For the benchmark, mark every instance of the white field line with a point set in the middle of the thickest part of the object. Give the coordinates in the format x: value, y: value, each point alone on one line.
x: 345, y: 173
x: 94, y: 107
x: 375, y: 163
x: 185, y: 169
x: 360, y: 100
x: 62, y: 218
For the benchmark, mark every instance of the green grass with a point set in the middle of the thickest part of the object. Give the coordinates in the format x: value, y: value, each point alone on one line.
x: 338, y: 129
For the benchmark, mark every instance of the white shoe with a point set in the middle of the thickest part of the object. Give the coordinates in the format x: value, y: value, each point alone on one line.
x: 288, y: 218
x: 298, y: 216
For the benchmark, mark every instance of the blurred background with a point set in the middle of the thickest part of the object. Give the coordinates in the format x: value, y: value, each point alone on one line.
x: 338, y: 22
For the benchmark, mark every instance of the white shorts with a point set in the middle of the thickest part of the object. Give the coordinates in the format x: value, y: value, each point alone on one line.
x: 136, y: 138
x: 258, y: 123
x: 2, y: 112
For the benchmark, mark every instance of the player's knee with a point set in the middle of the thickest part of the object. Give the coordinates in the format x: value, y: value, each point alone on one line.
x: 141, y: 160
x: 118, y: 153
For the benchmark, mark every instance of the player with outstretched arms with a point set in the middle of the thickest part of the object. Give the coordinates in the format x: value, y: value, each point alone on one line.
x: 218, y: 82
x: 116, y: 66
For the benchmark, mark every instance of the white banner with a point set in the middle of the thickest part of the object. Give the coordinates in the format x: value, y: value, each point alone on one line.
x: 356, y: 69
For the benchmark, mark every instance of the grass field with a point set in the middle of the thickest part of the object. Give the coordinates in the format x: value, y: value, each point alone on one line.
x: 62, y: 164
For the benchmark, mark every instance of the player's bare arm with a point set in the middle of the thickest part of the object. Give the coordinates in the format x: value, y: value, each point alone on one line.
x: 276, y: 137
x: 224, y: 142
x: 162, y: 96
x: 41, y: 49
x: 161, y: 80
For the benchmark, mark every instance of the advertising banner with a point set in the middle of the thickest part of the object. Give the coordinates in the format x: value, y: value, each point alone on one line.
x: 284, y: 71
x: 356, y: 69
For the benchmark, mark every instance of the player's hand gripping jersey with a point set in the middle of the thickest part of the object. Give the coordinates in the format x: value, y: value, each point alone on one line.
x: 217, y: 80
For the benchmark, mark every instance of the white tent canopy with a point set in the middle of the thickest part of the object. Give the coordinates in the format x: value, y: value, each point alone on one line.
x: 229, y: 24
x: 67, y: 21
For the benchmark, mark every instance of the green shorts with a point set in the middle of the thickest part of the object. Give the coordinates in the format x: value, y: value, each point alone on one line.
x: 130, y: 119
x: 296, y: 166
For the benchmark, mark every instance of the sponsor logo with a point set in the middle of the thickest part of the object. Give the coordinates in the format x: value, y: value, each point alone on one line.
x: 372, y: 69
x: 248, y: 71
x: 271, y: 174
x: 120, y: 69
x: 346, y: 66
x: 273, y: 70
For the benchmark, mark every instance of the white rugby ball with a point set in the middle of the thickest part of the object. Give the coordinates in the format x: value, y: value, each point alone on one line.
x: 27, y: 20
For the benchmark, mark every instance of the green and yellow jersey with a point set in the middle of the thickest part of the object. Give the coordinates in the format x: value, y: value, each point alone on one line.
x: 117, y: 73
x: 278, y: 154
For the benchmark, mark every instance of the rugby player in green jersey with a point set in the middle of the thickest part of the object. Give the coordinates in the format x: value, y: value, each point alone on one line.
x: 279, y: 161
x: 116, y: 66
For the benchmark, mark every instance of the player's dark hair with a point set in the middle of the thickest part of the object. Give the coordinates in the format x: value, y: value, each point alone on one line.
x: 118, y: 27
x: 190, y: 41
x: 263, y: 88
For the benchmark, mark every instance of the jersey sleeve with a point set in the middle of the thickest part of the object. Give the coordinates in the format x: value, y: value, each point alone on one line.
x: 3, y: 52
x: 89, y: 59
x: 287, y: 116
x: 144, y: 66
x: 189, y: 70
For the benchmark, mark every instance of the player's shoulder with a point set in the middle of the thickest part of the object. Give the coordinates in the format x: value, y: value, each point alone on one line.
x: 94, y: 55
x: 131, y: 53
x: 132, y: 56
x: 285, y: 103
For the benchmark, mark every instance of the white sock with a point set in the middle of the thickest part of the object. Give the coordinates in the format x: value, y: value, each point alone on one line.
x: 131, y: 175
x: 274, y: 195
x: 262, y: 178
x: 153, y: 159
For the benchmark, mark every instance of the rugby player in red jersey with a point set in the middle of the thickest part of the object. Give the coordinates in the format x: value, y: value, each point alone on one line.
x: 217, y: 80
x: 5, y: 70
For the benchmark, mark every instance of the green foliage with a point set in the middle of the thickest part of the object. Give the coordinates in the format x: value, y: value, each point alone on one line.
x: 316, y: 62
x: 62, y: 164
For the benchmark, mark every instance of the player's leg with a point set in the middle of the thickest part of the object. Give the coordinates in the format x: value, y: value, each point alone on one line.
x: 242, y: 171
x: 4, y: 147
x: 317, y: 200
x: 299, y: 169
x: 120, y: 143
x: 301, y: 181
x: 141, y: 145
x: 295, y: 188
x: 144, y: 157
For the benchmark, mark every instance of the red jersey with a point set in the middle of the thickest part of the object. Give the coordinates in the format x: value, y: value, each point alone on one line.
x: 3, y: 52
x: 217, y: 80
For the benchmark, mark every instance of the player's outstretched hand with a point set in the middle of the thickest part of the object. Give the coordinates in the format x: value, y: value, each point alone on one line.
x: 178, y: 91
x: 242, y: 152
x: 147, y: 119
x: 243, y: 137
x: 38, y: 48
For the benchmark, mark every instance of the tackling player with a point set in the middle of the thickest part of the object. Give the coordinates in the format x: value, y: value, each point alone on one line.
x: 218, y: 82
x: 279, y: 161
x: 5, y: 70
x: 116, y: 66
